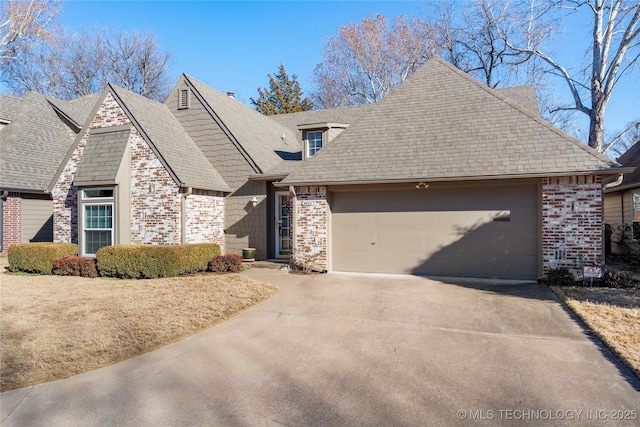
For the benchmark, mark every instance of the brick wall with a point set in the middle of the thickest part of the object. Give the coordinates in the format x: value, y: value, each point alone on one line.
x: 65, y: 194
x: 311, y: 227
x: 155, y: 197
x: 205, y: 218
x: 11, y: 221
x: 572, y: 228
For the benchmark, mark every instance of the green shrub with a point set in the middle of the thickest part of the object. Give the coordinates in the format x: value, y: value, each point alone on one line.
x: 75, y: 266
x: 38, y: 257
x: 617, y: 279
x: 561, y: 276
x: 195, y: 257
x: 231, y: 263
x: 154, y: 261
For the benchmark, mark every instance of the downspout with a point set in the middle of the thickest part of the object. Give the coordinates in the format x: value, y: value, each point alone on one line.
x: 183, y: 215
x: 3, y: 197
x: 615, y: 183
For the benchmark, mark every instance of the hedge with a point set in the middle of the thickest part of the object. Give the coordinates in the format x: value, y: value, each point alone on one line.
x: 154, y: 261
x: 38, y: 257
x: 75, y: 266
x: 231, y: 263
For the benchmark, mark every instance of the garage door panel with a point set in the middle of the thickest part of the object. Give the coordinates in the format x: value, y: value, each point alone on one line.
x: 476, y: 231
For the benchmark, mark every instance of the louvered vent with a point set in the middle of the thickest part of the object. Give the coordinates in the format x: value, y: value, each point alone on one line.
x: 183, y: 99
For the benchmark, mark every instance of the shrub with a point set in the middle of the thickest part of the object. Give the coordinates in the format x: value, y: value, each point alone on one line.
x: 154, y: 261
x: 561, y: 276
x: 231, y: 263
x: 75, y: 266
x: 137, y: 261
x: 617, y: 279
x: 38, y: 257
x: 195, y: 257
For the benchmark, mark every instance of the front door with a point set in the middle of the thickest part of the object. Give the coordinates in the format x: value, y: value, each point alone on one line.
x: 283, y: 224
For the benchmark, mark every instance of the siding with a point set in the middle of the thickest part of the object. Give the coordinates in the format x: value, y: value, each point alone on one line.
x: 245, y: 226
x: 37, y: 219
x: 613, y: 208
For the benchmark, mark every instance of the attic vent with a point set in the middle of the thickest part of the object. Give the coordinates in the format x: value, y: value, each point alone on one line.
x: 183, y: 99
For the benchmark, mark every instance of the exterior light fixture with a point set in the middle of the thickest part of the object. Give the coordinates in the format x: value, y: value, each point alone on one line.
x: 422, y: 185
x: 254, y: 201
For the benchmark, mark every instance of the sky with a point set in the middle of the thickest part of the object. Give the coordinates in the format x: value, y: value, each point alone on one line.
x: 234, y: 45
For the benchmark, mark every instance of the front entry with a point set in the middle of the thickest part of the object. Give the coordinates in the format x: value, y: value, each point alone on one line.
x: 283, y: 224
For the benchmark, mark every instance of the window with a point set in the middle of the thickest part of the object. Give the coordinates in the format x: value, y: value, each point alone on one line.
x: 97, y: 219
x: 314, y: 142
x: 635, y: 206
x: 183, y: 99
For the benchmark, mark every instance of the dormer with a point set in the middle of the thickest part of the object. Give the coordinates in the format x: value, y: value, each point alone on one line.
x: 317, y: 135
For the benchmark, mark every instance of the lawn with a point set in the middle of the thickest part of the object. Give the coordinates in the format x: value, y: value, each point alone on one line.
x: 53, y: 327
x: 613, y: 315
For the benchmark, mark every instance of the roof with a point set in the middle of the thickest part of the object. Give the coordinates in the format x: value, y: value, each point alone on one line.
x: 441, y: 124
x: 8, y: 107
x: 76, y: 109
x: 33, y: 145
x: 259, y: 136
x: 162, y: 131
x: 524, y: 96
x: 102, y: 156
x: 348, y: 115
x: 631, y: 158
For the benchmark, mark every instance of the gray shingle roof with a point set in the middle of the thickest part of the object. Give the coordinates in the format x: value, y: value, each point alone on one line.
x: 631, y: 158
x: 8, y: 107
x: 33, y: 145
x: 442, y: 124
x: 258, y: 135
x: 102, y: 156
x: 524, y: 96
x: 180, y: 153
x: 77, y: 109
x: 348, y: 115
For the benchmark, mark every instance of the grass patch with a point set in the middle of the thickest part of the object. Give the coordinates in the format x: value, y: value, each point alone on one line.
x: 54, y: 327
x: 613, y: 315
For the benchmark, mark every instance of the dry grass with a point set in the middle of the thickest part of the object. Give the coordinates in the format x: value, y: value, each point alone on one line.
x: 54, y: 327
x: 613, y: 315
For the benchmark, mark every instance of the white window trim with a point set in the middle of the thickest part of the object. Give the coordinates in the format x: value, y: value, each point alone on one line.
x: 634, y: 235
x: 308, y: 142
x: 94, y: 201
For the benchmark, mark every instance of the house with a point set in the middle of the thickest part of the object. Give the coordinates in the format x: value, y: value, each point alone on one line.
x: 35, y: 133
x: 622, y: 207
x: 443, y: 177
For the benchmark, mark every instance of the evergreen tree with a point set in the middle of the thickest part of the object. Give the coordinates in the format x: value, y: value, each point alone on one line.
x: 284, y: 95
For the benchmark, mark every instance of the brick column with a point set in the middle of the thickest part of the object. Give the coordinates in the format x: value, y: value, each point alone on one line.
x: 311, y: 228
x: 572, y: 227
x: 11, y: 221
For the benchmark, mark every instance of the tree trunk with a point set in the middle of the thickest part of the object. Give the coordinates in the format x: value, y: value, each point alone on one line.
x: 596, y: 117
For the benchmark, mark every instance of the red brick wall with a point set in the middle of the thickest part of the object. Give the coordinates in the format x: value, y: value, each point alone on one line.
x: 11, y: 221
x: 572, y: 227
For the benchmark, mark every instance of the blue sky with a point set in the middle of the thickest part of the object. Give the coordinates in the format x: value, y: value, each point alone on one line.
x: 234, y: 45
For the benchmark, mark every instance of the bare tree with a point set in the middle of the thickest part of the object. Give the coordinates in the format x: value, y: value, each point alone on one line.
x: 364, y: 61
x: 81, y: 63
x: 24, y: 23
x: 614, y: 51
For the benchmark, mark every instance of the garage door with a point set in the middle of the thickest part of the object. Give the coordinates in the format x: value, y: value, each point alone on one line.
x: 488, y: 231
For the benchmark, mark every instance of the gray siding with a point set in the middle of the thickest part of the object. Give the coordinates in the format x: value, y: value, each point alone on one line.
x: 37, y: 219
x: 245, y: 226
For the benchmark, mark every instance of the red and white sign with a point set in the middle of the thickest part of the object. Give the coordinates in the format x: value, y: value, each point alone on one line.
x: 592, y: 272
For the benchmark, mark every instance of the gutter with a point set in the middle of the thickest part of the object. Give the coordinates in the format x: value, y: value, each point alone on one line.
x: 616, y: 171
x: 183, y: 215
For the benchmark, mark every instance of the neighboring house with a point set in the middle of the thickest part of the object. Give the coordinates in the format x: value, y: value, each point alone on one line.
x: 443, y: 177
x: 35, y: 133
x: 622, y: 207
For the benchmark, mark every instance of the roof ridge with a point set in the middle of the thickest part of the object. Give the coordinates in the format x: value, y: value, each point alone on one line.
x: 538, y: 119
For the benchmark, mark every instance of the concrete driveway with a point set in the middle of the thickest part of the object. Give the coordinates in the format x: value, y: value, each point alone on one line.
x: 341, y: 349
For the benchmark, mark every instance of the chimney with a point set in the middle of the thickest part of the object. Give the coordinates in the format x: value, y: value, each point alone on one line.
x: 231, y: 95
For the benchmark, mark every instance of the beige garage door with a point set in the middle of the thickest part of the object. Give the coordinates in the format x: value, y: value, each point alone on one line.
x: 488, y: 231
